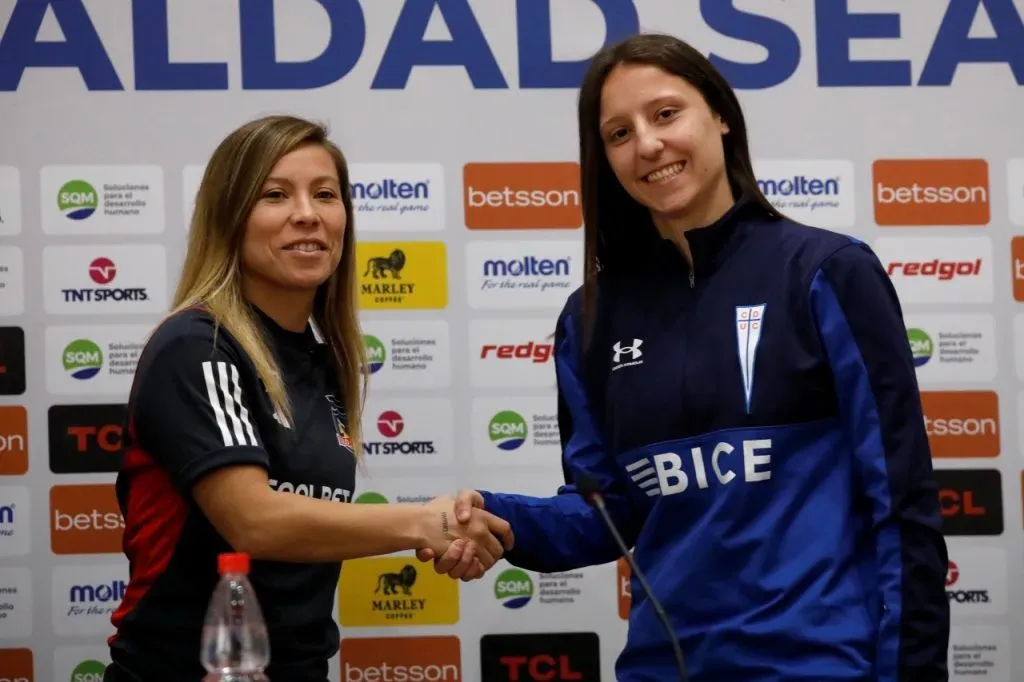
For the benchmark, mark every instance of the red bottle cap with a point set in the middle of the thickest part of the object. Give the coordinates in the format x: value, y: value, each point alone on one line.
x: 236, y: 562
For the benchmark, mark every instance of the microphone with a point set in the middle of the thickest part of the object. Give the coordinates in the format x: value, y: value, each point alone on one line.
x: 591, y: 491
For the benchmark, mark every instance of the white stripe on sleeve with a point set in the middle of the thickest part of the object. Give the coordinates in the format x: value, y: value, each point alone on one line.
x: 225, y: 394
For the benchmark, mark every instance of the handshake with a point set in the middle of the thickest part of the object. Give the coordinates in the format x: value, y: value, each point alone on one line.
x: 462, y: 539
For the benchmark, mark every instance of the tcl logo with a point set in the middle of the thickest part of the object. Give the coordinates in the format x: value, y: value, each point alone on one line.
x: 102, y: 270
x: 1017, y: 263
x: 86, y: 438
x: 540, y: 667
x: 939, y: 269
x: 540, y: 657
x: 390, y: 424
x: 531, y: 351
x: 971, y: 501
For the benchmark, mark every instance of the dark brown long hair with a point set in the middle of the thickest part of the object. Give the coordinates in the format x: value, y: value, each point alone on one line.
x: 616, y: 228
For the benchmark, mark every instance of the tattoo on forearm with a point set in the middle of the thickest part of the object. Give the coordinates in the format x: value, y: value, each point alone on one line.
x: 444, y: 526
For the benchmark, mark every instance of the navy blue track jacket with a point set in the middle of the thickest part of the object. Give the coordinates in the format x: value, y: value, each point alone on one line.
x: 756, y: 427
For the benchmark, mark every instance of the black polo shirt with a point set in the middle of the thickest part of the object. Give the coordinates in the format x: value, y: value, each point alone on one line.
x: 197, y: 404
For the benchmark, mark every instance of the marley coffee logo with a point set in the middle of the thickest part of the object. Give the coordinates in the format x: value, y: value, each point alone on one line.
x: 12, y: 361
x: 13, y: 440
x: 540, y: 656
x: 971, y: 501
x: 86, y: 438
x: 962, y: 423
x: 85, y: 519
x: 16, y: 665
x: 396, y: 275
x: 393, y: 591
x: 401, y: 658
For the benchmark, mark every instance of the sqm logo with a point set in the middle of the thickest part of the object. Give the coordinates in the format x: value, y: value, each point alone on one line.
x: 102, y: 270
x: 634, y: 354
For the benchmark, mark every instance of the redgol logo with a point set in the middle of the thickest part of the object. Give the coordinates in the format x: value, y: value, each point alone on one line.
x: 538, y: 353
x: 939, y: 269
x: 102, y: 270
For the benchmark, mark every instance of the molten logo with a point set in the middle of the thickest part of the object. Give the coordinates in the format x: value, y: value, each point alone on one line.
x: 102, y: 270
x: 931, y: 191
x: 390, y: 424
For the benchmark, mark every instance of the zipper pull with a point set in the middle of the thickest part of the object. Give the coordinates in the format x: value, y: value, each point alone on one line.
x: 692, y: 278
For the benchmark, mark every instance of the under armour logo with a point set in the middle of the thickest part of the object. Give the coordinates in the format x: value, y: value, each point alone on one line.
x: 634, y: 350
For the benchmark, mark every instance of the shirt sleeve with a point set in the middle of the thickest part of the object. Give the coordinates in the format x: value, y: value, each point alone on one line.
x: 191, y: 409
x: 860, y: 323
x: 564, y: 532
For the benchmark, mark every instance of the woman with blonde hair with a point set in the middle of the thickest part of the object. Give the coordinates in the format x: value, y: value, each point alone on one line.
x: 243, y: 420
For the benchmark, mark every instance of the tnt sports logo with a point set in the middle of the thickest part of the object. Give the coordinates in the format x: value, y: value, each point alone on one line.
x: 376, y: 354
x: 962, y: 596
x: 626, y: 356
x: 663, y: 473
x: 392, y: 591
x: 390, y: 424
x: 921, y: 346
x: 83, y: 359
x: 77, y: 200
x: 102, y: 270
x: 518, y: 196
x: 513, y: 588
x: 931, y: 192
x: 88, y: 671
x: 402, y: 275
x: 507, y: 430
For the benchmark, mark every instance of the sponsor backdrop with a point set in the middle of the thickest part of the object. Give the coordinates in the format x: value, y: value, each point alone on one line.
x: 894, y: 124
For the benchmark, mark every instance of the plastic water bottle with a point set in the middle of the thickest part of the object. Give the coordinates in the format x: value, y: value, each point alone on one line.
x: 235, y: 645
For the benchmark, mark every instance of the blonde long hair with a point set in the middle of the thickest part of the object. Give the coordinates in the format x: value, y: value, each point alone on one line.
x: 211, y: 275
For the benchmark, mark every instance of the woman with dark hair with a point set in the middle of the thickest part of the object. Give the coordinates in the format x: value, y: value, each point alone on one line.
x: 740, y: 388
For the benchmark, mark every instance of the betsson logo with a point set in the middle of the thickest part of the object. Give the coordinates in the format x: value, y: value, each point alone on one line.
x: 931, y: 192
x: 85, y: 519
x: 1017, y: 263
x: 962, y: 423
x: 516, y: 196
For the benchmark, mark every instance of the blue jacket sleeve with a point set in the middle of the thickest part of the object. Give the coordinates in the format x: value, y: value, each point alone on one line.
x: 564, y: 532
x: 860, y: 323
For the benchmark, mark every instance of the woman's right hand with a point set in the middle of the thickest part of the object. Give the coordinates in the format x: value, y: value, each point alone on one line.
x: 481, y: 531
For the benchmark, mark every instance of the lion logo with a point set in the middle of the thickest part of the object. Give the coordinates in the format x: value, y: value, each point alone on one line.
x: 379, y: 266
x: 390, y: 583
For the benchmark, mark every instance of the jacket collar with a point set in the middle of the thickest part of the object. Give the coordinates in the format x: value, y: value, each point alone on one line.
x: 310, y: 339
x: 709, y: 245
